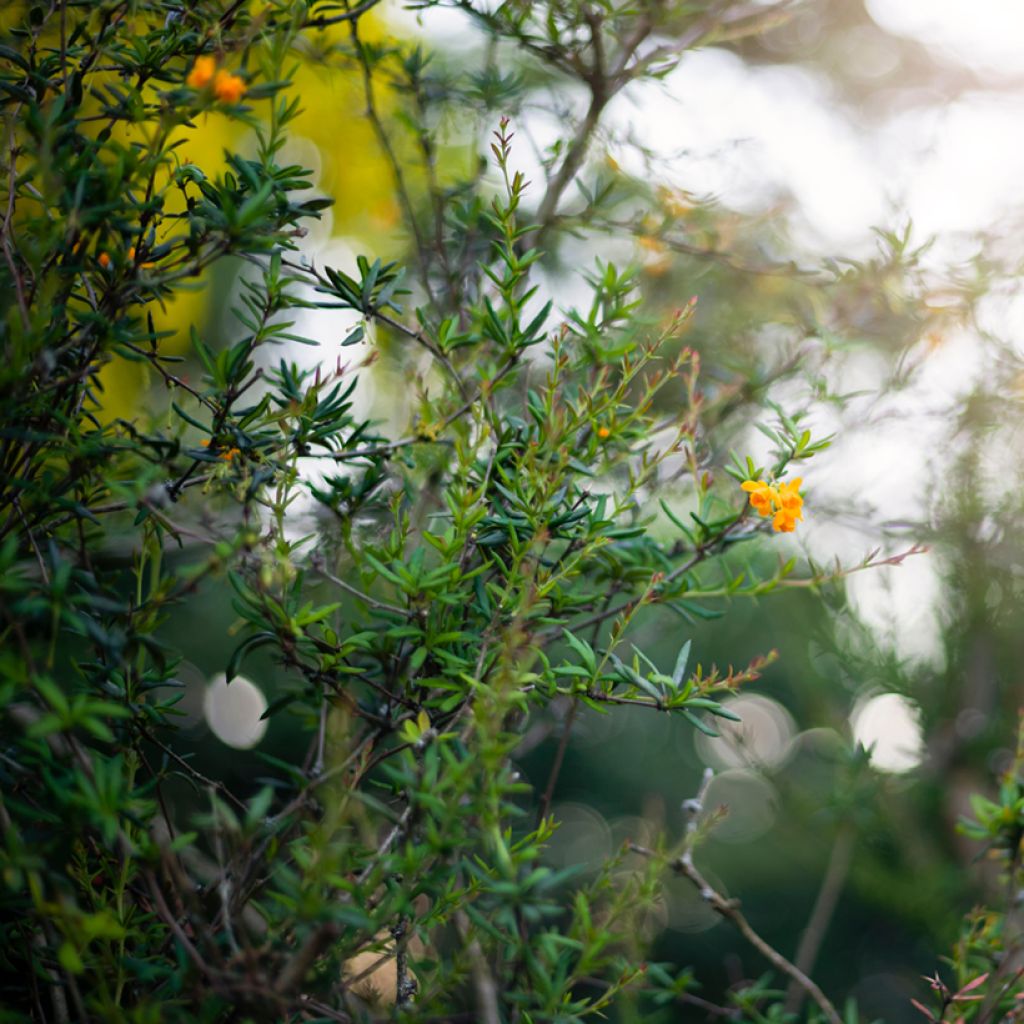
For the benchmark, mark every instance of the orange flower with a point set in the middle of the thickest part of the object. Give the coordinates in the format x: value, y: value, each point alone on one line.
x: 145, y: 265
x: 782, y: 502
x: 603, y: 432
x: 104, y: 259
x: 789, y: 497
x: 202, y: 73
x: 762, y: 496
x: 225, y: 456
x: 785, y: 521
x: 228, y: 88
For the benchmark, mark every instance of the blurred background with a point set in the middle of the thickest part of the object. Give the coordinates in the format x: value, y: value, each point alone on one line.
x: 842, y: 187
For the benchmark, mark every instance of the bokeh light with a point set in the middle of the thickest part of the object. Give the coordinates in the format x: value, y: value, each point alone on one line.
x: 233, y: 711
x: 751, y: 802
x: 762, y: 738
x: 583, y: 838
x: 890, y: 726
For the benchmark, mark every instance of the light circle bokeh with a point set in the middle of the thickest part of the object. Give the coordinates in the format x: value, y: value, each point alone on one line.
x: 889, y: 725
x: 582, y: 839
x: 750, y: 801
x: 763, y: 738
x: 233, y: 711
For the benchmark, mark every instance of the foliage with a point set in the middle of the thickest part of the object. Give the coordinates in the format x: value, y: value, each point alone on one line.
x: 986, y: 963
x: 474, y: 564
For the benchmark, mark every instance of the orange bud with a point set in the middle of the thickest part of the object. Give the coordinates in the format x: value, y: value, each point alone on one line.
x: 228, y: 88
x: 202, y: 73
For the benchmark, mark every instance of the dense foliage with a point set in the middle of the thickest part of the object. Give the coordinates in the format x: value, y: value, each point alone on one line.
x: 433, y: 584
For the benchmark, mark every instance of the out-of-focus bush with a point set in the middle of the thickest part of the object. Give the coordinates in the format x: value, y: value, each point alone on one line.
x: 432, y: 594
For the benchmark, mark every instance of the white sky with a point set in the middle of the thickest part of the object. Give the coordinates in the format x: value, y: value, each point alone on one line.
x: 986, y: 35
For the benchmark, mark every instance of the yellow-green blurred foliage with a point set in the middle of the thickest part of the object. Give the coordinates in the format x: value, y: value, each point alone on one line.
x: 354, y: 173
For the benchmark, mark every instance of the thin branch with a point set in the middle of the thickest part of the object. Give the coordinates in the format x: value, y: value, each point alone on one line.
x: 556, y: 767
x: 567, y: 171
x: 405, y: 980
x: 299, y: 964
x: 372, y: 602
x: 5, y: 230
x: 421, y: 339
x: 124, y: 506
x: 196, y: 775
x: 485, y: 988
x: 32, y: 540
x: 171, y: 921
x: 824, y: 907
x: 730, y: 909
x: 470, y: 401
x: 336, y: 19
x: 321, y: 738
x: 733, y: 1013
x: 373, y: 116
x: 840, y: 572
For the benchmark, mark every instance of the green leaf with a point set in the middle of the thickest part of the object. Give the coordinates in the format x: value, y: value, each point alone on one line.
x: 383, y: 570
x: 258, y: 807
x: 698, y: 723
x: 248, y: 645
x: 582, y: 648
x: 69, y: 958
x: 682, y: 660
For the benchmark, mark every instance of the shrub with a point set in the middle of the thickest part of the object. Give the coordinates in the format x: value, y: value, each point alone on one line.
x: 430, y: 586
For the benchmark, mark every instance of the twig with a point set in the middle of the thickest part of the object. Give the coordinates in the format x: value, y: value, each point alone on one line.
x: 405, y: 980
x: 733, y: 1013
x: 352, y: 15
x: 391, y: 158
x: 32, y: 540
x: 57, y: 995
x: 224, y: 887
x: 824, y: 907
x: 603, y: 86
x: 171, y: 921
x: 320, y: 938
x: 556, y: 767
x: 567, y: 171
x: 5, y: 230
x: 321, y: 738
x: 692, y: 808
x: 470, y: 401
x: 124, y: 506
x: 840, y: 572
x: 372, y: 602
x: 729, y: 908
x: 421, y: 339
x: 196, y: 775
x: 295, y: 969
x: 484, y: 986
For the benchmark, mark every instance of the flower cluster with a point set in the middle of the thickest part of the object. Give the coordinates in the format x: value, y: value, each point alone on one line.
x: 228, y: 88
x: 225, y: 456
x: 781, y: 500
